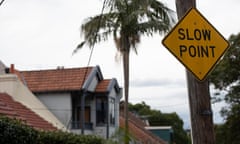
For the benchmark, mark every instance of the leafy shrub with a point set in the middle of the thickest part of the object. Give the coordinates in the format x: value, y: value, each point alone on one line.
x: 13, y: 131
x: 58, y: 137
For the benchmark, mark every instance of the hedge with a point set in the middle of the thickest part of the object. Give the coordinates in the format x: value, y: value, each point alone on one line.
x: 13, y: 131
x: 59, y: 137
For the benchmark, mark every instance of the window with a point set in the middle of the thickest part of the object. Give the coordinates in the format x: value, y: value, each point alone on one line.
x: 76, y: 122
x: 87, y: 114
x: 76, y: 112
x: 101, y: 110
x: 112, y: 111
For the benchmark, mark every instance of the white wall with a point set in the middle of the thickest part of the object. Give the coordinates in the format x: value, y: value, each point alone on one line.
x: 101, y: 131
x: 78, y: 131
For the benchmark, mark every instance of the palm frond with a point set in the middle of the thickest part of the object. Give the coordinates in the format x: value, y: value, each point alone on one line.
x: 98, y: 28
x: 151, y: 27
x: 79, y: 46
x: 163, y: 12
x: 148, y: 11
x: 1, y: 2
x: 131, y: 17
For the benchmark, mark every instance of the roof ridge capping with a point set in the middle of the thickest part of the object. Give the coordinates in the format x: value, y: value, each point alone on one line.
x: 58, y: 68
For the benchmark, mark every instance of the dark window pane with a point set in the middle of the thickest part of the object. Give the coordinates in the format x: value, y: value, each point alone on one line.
x: 101, y: 111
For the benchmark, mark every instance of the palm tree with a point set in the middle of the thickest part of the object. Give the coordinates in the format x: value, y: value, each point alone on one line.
x: 126, y: 21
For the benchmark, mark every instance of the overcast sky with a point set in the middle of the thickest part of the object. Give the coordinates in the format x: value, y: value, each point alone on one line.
x: 42, y: 34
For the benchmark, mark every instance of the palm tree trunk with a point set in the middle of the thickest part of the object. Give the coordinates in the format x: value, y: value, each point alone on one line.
x: 126, y: 92
x: 125, y: 51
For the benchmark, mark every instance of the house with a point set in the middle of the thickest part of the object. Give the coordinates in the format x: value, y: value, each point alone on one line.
x: 138, y: 131
x: 164, y: 132
x: 80, y: 98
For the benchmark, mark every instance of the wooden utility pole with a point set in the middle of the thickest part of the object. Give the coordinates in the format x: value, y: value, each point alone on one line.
x: 199, y: 97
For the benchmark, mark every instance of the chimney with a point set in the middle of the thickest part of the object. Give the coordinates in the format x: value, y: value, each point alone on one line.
x: 12, y: 70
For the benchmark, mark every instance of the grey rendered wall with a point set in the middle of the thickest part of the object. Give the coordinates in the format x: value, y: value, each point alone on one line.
x: 117, y: 97
x: 59, y: 104
x: 93, y: 84
x: 114, y: 95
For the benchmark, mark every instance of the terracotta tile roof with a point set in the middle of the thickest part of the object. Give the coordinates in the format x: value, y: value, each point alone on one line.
x: 103, y: 85
x: 56, y: 79
x: 13, y: 109
x: 137, y: 129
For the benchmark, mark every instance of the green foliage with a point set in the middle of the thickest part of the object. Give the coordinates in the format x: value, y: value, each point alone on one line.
x: 119, y: 137
x: 220, y: 134
x: 140, y: 108
x: 225, y: 78
x: 227, y: 71
x: 57, y: 137
x: 16, y: 132
x: 157, y: 118
x: 228, y: 133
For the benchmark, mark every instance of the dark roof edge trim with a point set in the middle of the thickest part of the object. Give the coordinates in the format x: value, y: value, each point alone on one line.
x: 95, y: 71
x: 113, y: 84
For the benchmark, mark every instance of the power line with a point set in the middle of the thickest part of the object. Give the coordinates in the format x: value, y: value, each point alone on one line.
x: 173, y: 105
x: 95, y: 39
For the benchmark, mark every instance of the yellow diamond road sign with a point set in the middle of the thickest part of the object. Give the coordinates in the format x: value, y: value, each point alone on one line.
x: 196, y: 43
